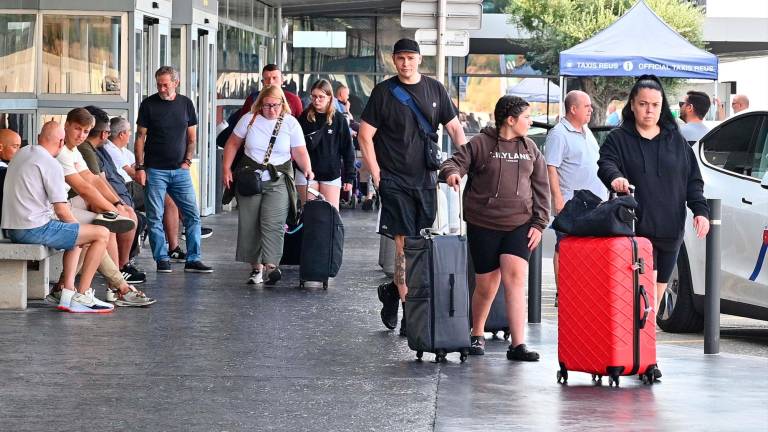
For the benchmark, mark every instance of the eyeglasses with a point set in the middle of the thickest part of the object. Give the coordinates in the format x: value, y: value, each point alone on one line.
x: 322, y: 96
x: 682, y: 104
x: 271, y: 106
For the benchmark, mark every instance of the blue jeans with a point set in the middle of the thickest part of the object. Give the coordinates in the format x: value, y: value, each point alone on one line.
x: 178, y: 185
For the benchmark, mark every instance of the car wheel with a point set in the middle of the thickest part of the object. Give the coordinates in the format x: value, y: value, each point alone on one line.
x: 676, y: 311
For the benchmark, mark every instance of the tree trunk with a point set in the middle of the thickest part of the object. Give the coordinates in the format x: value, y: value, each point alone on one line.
x: 599, y: 102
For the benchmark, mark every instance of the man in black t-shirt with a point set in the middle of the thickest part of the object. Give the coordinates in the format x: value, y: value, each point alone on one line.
x: 164, y: 147
x: 393, y: 149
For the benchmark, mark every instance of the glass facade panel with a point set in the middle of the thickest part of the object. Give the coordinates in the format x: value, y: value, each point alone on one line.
x: 176, y: 48
x: 21, y: 123
x: 81, y: 54
x: 238, y: 62
x: 17, y: 53
x: 357, y: 56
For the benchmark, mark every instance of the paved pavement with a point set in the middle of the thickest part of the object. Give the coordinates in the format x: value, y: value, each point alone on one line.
x: 215, y: 354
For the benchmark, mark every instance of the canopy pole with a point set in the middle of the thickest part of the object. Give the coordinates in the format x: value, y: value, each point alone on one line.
x: 562, y: 97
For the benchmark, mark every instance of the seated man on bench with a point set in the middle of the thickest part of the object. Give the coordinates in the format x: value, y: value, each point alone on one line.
x: 34, y: 183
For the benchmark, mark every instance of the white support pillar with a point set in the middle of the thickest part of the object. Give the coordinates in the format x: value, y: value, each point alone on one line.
x: 279, y: 39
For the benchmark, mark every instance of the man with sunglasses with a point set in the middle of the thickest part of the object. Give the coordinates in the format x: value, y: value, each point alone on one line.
x: 693, y: 108
x: 165, y: 145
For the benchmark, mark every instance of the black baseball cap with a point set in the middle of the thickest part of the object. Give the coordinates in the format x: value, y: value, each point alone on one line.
x: 406, y: 45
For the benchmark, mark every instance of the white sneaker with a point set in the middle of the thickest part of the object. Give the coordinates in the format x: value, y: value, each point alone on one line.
x: 75, y: 302
x: 255, y: 277
x: 92, y: 294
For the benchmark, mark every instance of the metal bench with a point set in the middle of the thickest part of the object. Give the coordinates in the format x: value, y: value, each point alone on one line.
x: 24, y: 273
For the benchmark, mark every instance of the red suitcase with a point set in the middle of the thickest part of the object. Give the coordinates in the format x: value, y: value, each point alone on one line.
x: 607, y: 326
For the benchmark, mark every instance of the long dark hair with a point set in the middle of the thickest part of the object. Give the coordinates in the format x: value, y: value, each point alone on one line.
x: 666, y: 120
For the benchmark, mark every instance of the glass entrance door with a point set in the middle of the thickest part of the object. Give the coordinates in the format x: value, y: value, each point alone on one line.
x: 152, y: 40
x: 203, y: 92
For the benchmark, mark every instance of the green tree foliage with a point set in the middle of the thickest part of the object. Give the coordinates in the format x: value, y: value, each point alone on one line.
x: 556, y: 25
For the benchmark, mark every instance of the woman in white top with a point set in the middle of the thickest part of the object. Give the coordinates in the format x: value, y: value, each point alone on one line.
x: 262, y: 216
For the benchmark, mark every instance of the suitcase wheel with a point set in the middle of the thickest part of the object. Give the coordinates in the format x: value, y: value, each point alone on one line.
x: 562, y: 376
x: 301, y: 284
x: 441, y: 356
x: 649, y: 377
x: 325, y: 285
x: 464, y: 355
x: 613, y: 380
x: 419, y: 355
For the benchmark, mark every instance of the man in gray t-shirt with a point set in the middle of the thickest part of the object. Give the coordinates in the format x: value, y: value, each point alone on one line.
x: 571, y: 152
x: 35, y: 211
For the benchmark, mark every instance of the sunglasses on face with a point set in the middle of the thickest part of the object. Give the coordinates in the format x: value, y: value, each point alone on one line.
x: 682, y: 104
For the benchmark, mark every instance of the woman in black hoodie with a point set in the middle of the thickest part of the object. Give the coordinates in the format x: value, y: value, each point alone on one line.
x: 329, y: 142
x: 647, y: 151
x: 506, y: 206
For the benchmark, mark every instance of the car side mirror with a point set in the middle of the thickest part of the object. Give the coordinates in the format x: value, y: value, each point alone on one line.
x: 764, y: 182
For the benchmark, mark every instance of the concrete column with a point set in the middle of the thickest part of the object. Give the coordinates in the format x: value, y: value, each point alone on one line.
x: 13, y: 285
x: 38, y: 278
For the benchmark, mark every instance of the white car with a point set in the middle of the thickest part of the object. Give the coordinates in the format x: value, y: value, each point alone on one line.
x: 733, y: 158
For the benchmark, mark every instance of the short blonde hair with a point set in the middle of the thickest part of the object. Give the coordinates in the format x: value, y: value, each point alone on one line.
x: 273, y: 92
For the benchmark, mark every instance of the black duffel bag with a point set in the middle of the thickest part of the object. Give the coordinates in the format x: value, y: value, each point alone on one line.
x: 585, y: 215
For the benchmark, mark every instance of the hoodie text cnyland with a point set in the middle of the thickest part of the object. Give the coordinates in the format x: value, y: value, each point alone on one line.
x: 507, y: 185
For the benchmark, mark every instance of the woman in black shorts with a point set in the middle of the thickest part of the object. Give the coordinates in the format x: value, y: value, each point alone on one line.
x: 649, y: 152
x: 506, y: 207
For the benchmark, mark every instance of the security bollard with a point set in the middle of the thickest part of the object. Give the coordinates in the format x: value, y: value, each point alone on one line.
x: 712, y: 281
x: 534, y: 286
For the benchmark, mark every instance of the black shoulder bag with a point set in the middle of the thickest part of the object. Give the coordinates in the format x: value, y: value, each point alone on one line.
x: 432, y: 152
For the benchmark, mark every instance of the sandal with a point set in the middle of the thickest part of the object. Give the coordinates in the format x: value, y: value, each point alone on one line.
x: 522, y: 353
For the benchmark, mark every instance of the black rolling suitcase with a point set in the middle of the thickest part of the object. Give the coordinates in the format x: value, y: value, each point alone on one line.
x: 497, y: 321
x: 437, y: 304
x: 322, y: 242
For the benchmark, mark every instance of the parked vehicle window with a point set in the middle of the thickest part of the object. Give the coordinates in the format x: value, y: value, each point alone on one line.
x: 729, y: 148
x: 760, y: 160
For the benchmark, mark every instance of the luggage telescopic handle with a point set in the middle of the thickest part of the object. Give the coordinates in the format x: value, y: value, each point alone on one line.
x: 615, y: 194
x: 647, y: 307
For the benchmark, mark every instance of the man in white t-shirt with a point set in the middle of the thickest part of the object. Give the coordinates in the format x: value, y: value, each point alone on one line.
x: 35, y: 211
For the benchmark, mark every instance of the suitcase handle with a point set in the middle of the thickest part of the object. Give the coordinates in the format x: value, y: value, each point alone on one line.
x: 451, y: 281
x: 647, y: 307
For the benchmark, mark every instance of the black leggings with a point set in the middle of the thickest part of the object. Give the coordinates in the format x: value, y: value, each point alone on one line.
x: 665, y: 257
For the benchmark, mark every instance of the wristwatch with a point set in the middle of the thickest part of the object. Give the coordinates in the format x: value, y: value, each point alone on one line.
x: 139, y: 167
x: 187, y: 161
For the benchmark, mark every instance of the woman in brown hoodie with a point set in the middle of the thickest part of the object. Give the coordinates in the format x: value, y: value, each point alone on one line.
x: 506, y: 207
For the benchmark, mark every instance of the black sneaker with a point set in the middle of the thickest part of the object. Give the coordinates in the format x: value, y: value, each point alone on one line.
x: 132, y: 275
x: 197, y: 267
x: 205, y: 233
x: 178, y: 255
x: 402, y: 324
x: 368, y: 205
x: 389, y: 298
x: 477, y: 345
x: 521, y: 353
x: 164, y: 267
x: 656, y: 374
x: 273, y: 276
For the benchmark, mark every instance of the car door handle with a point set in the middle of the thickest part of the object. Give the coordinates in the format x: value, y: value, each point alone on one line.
x: 746, y: 201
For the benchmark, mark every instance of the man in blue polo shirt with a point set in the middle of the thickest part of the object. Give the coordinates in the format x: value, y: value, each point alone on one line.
x: 571, y: 152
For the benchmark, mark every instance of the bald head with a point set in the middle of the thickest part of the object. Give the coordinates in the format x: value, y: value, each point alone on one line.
x: 10, y: 142
x: 578, y: 108
x: 51, y: 137
x: 739, y: 103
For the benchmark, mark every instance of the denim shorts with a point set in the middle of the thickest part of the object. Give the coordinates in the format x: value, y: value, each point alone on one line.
x: 55, y: 234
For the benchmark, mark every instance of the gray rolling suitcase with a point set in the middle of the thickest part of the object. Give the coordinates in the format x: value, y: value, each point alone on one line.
x: 387, y: 255
x: 497, y: 321
x: 437, y: 304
